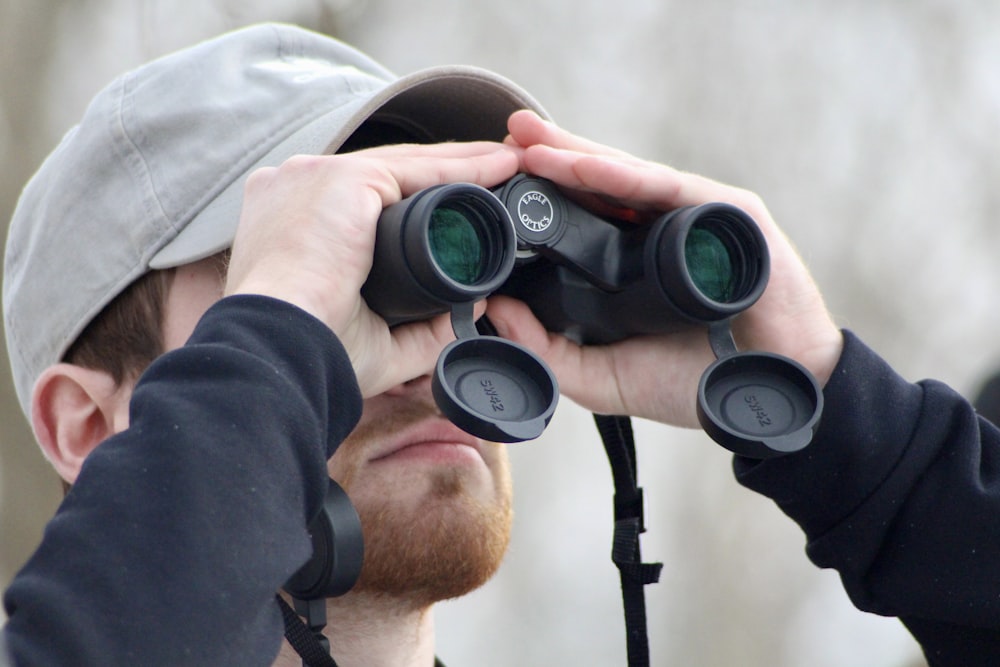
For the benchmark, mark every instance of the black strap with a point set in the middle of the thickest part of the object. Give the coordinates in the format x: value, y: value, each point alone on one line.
x: 303, y: 640
x: 619, y: 443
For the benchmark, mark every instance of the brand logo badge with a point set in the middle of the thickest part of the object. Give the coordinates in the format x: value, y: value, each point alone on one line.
x: 534, y: 210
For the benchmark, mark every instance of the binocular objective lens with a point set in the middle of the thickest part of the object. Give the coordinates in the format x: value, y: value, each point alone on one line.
x: 456, y: 245
x: 709, y: 264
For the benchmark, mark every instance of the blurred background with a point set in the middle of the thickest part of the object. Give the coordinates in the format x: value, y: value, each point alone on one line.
x: 870, y: 128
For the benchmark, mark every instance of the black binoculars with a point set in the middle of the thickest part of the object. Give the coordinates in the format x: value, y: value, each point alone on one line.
x: 593, y: 278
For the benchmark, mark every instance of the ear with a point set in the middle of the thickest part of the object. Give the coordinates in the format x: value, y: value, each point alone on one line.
x: 74, y: 409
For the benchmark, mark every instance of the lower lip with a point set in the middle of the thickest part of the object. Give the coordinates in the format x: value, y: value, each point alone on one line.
x: 436, y: 452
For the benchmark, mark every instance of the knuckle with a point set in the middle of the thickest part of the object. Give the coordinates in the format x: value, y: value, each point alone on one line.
x: 260, y: 178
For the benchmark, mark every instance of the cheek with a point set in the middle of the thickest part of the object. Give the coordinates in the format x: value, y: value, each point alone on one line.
x: 195, y: 287
x: 498, y: 463
x: 344, y: 464
x: 181, y: 319
x: 176, y: 331
x: 119, y: 416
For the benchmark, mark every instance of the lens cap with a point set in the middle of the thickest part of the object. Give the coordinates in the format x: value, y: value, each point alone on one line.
x: 759, y: 405
x: 495, y: 389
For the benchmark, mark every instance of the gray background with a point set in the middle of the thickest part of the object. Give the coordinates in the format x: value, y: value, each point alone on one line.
x: 868, y: 126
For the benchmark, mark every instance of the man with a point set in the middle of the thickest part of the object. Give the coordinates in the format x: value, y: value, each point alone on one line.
x: 165, y: 151
x: 194, y: 483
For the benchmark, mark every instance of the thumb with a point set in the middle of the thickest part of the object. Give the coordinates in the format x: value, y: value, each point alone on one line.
x: 406, y: 352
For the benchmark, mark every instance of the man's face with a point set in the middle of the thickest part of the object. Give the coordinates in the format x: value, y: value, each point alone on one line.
x: 434, y: 502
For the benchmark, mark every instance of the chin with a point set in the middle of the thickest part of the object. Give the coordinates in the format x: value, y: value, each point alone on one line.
x: 444, y: 545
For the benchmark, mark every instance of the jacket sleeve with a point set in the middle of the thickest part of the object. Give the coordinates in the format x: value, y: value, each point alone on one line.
x: 900, y: 493
x: 178, y: 532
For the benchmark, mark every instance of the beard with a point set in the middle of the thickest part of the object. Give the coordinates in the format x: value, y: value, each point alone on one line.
x: 445, y: 545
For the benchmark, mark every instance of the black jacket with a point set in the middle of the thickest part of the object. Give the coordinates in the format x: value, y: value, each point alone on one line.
x: 170, y: 546
x: 900, y: 492
x: 178, y: 532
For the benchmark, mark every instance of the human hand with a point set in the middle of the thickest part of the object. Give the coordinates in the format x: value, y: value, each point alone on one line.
x: 307, y: 234
x: 657, y: 376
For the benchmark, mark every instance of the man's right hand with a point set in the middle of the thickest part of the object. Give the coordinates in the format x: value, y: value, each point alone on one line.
x: 307, y: 235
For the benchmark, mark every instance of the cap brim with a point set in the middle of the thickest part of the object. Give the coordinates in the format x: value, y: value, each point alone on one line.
x: 453, y: 103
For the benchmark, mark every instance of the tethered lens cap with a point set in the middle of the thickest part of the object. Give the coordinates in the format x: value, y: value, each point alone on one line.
x: 759, y: 405
x: 495, y: 389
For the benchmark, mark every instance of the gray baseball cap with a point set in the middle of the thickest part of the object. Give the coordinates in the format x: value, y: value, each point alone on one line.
x: 153, y: 175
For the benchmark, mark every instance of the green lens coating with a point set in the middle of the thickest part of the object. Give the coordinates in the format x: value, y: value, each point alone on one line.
x: 456, y: 245
x: 709, y: 264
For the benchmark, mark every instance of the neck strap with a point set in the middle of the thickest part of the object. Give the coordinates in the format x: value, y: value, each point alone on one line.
x: 307, y: 640
x: 619, y: 443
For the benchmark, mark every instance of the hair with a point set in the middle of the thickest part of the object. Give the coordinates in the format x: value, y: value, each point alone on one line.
x: 127, y: 335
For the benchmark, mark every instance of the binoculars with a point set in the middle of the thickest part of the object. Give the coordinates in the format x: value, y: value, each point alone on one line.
x: 595, y: 279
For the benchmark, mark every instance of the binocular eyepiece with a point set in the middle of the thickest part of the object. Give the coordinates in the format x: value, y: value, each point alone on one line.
x: 444, y: 245
x: 593, y: 278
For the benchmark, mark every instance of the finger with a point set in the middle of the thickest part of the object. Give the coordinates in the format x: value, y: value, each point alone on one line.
x: 644, y: 376
x: 448, y: 149
x: 579, y: 163
x: 389, y: 176
x: 635, y: 183
x: 529, y: 129
x: 409, y: 173
x: 586, y: 375
x: 414, y: 351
